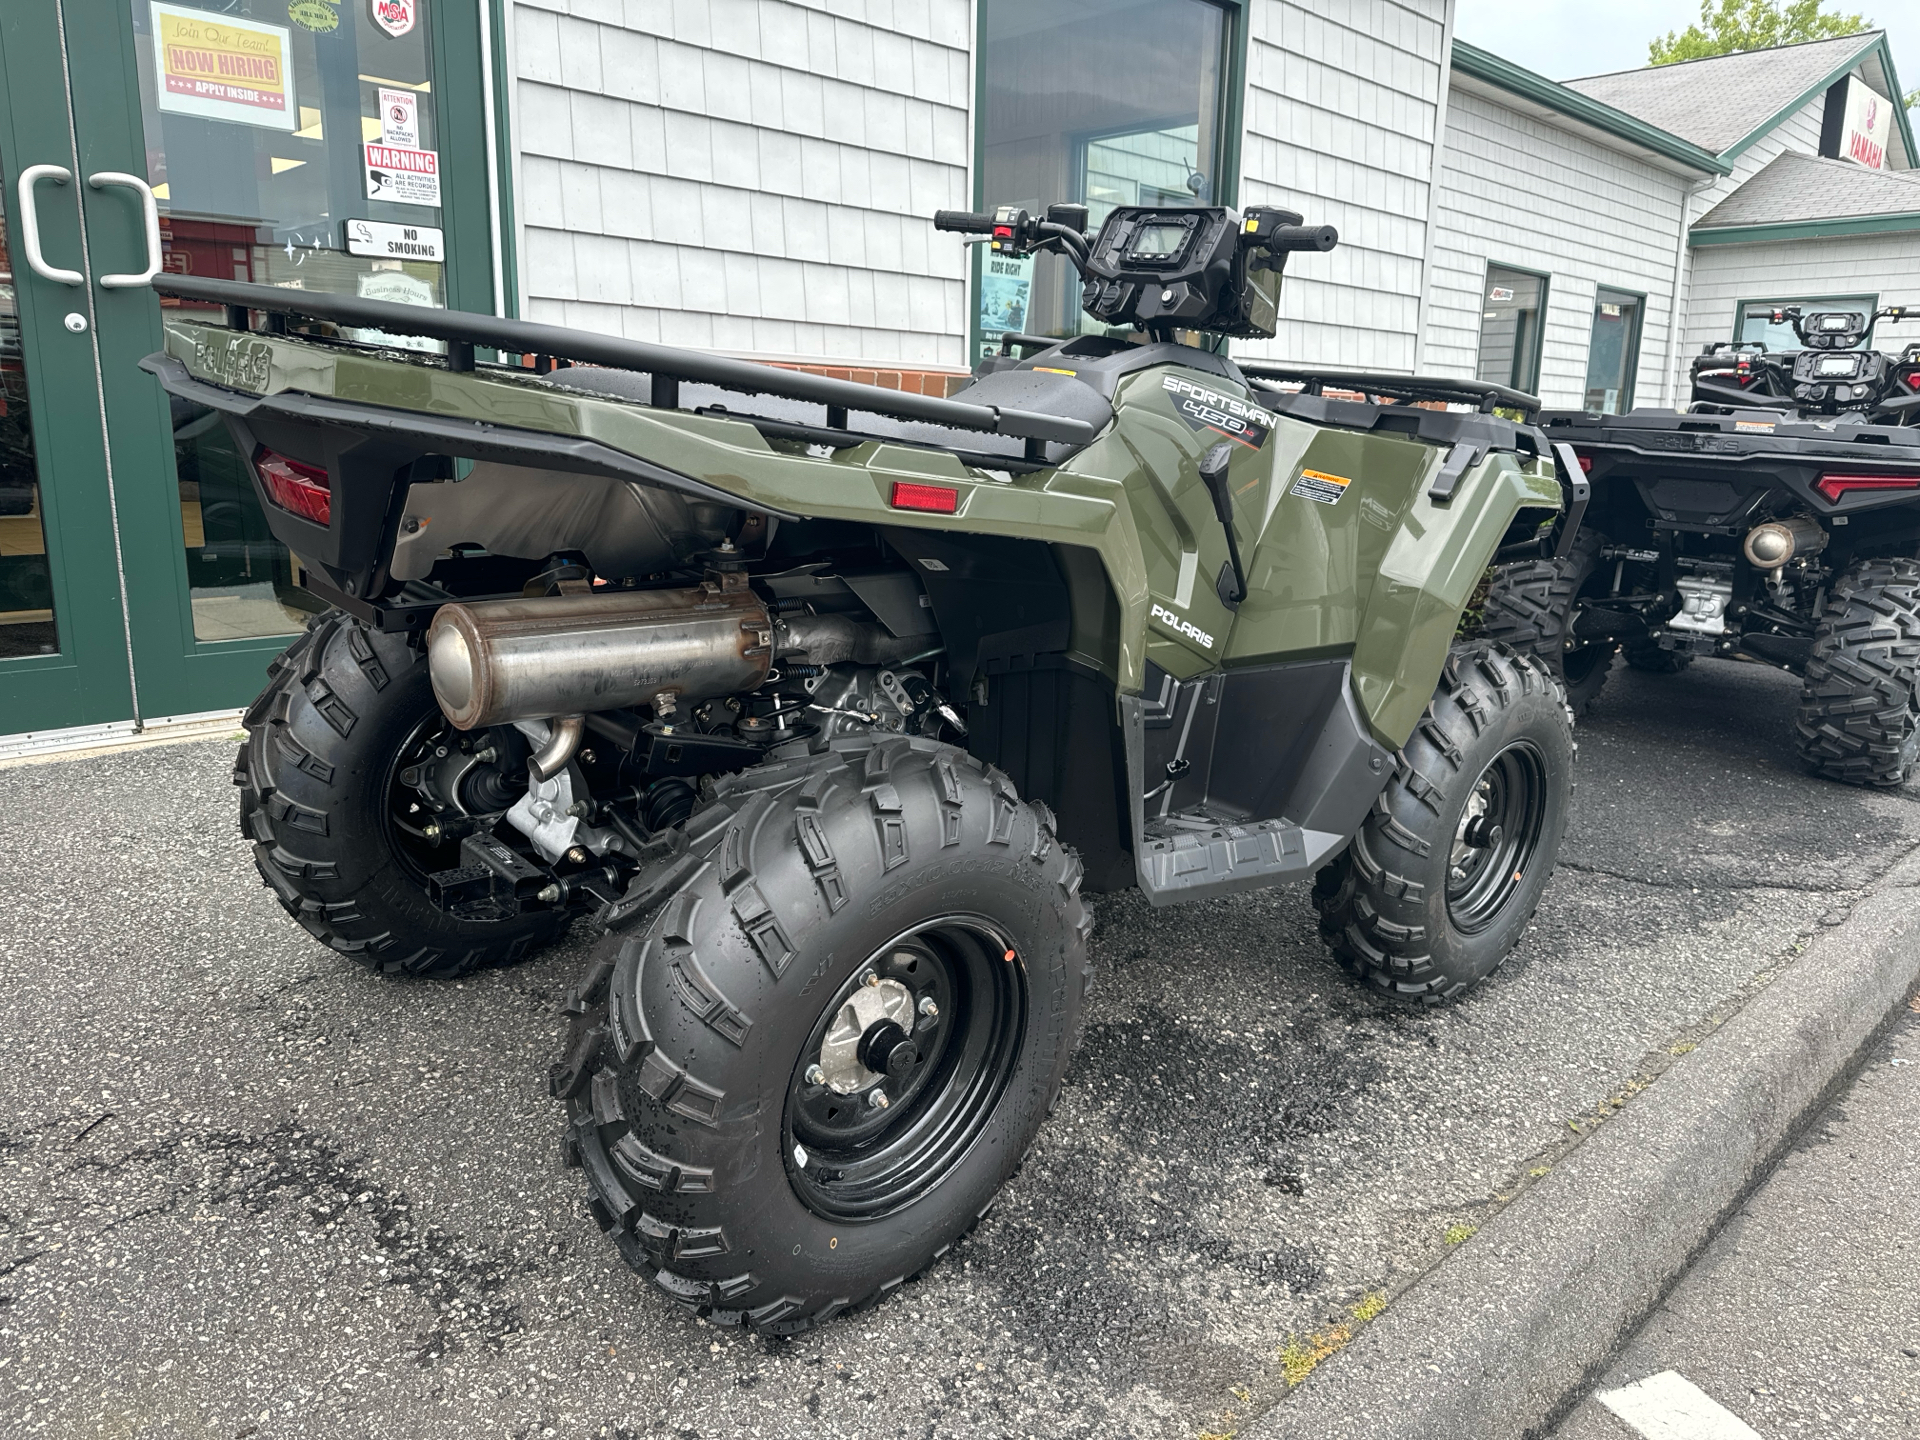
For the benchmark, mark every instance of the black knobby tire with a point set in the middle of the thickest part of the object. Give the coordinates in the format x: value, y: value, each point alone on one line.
x: 1411, y: 907
x: 1531, y: 606
x: 1648, y: 656
x: 1859, y: 716
x: 317, y: 774
x: 686, y: 1076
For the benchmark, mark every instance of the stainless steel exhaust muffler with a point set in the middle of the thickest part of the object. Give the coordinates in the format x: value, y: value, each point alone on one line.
x: 496, y: 661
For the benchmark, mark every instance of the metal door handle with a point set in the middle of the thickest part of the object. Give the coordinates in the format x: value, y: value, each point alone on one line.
x: 30, y: 224
x: 150, y: 208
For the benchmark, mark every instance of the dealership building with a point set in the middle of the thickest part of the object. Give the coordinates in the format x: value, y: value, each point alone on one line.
x: 757, y: 177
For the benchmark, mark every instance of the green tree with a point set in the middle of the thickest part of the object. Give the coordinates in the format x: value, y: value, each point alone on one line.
x: 1729, y: 25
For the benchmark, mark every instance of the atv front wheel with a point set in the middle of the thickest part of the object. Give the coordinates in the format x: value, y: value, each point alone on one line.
x: 1534, y: 606
x: 1859, y: 719
x: 337, y: 834
x: 1434, y: 891
x: 831, y: 1033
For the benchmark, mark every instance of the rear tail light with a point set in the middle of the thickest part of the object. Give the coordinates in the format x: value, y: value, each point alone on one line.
x: 297, y: 488
x: 1834, y: 486
x: 940, y: 499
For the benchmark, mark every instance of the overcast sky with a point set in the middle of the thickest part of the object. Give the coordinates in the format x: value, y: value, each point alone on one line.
x: 1562, y: 39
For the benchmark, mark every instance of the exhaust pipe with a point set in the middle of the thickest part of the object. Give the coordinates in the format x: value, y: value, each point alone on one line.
x: 1773, y: 544
x: 496, y: 661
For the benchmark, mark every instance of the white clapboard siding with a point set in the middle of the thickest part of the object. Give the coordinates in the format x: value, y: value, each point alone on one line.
x: 753, y: 176
x: 1708, y: 319
x: 1519, y: 190
x: 1884, y: 265
x: 1341, y: 108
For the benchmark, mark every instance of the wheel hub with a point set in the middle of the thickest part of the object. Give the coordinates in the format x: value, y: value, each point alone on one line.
x: 869, y: 1037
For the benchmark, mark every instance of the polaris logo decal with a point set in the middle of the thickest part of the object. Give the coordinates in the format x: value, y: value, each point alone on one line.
x: 1205, y: 409
x: 1192, y: 632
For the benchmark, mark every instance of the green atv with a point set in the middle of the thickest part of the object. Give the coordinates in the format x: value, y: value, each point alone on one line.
x: 827, y: 702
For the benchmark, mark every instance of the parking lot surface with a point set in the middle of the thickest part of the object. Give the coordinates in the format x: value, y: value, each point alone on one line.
x: 248, y: 1189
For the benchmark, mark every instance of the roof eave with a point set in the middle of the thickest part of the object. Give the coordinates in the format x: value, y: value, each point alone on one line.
x: 1830, y: 227
x: 1490, y: 69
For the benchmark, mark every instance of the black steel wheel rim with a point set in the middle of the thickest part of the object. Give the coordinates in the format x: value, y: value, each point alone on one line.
x: 850, y: 1159
x: 408, y: 814
x: 1497, y: 838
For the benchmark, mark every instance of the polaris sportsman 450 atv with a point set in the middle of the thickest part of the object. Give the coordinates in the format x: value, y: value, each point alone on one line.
x: 827, y: 701
x: 1777, y: 520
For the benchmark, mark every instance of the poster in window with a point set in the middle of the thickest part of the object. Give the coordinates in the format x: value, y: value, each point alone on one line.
x: 1006, y: 287
x: 402, y: 174
x: 216, y: 68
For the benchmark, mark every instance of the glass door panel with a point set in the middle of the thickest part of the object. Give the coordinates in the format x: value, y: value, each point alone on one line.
x: 27, y: 624
x: 1613, y: 354
x: 291, y: 146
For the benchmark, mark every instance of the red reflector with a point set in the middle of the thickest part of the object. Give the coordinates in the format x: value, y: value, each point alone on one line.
x: 941, y: 499
x: 1586, y: 463
x: 1834, y: 486
x: 302, y: 490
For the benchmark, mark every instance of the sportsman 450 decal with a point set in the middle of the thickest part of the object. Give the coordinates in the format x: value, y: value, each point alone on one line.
x: 1191, y: 631
x: 1205, y: 409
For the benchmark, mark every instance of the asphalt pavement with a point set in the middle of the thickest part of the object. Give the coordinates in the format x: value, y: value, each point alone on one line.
x: 1802, y: 1319
x: 248, y: 1189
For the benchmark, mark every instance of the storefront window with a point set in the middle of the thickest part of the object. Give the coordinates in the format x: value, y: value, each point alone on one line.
x: 289, y: 144
x: 1514, y: 300
x: 1755, y: 324
x: 1100, y: 103
x: 1613, y: 354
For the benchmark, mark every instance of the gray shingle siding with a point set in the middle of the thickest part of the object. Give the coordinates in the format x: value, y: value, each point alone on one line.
x: 1342, y: 99
x: 747, y: 175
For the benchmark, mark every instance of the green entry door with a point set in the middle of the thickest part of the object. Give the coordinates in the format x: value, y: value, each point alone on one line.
x: 308, y: 145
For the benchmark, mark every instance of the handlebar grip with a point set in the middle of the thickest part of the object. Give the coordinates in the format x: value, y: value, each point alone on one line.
x: 1303, y: 237
x: 969, y: 222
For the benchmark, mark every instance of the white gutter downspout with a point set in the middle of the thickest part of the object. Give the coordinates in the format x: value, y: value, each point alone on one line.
x: 1433, y: 187
x: 1682, y: 289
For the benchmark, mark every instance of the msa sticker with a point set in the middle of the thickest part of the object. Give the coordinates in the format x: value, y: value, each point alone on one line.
x: 1753, y: 427
x: 1192, y: 632
x: 1205, y: 409
x: 1318, y: 485
x: 932, y: 564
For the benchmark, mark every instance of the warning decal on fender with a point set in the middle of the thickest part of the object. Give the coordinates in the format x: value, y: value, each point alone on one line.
x: 1205, y: 409
x: 1318, y: 485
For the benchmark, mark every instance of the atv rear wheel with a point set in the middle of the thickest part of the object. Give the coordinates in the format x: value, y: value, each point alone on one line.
x: 1435, y: 890
x: 825, y: 1034
x: 1859, y: 719
x: 338, y: 837
x: 1532, y: 605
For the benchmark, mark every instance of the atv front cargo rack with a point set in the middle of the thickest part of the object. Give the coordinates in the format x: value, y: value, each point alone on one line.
x: 667, y: 365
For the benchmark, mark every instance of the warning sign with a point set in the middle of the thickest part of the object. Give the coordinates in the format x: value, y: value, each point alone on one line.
x: 1318, y: 485
x: 394, y: 172
x: 220, y: 69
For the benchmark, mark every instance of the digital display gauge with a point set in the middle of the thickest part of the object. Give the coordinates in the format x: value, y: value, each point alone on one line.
x: 1842, y: 366
x: 1831, y: 323
x: 1158, y: 242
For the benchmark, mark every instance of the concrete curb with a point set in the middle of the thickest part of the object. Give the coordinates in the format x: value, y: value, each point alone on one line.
x: 1500, y: 1338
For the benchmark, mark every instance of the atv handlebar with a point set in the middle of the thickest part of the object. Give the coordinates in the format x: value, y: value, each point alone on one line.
x: 967, y: 222
x: 1303, y: 237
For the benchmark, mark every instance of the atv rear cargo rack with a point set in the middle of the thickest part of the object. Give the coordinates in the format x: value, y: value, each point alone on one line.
x: 1483, y: 394
x: 666, y: 365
